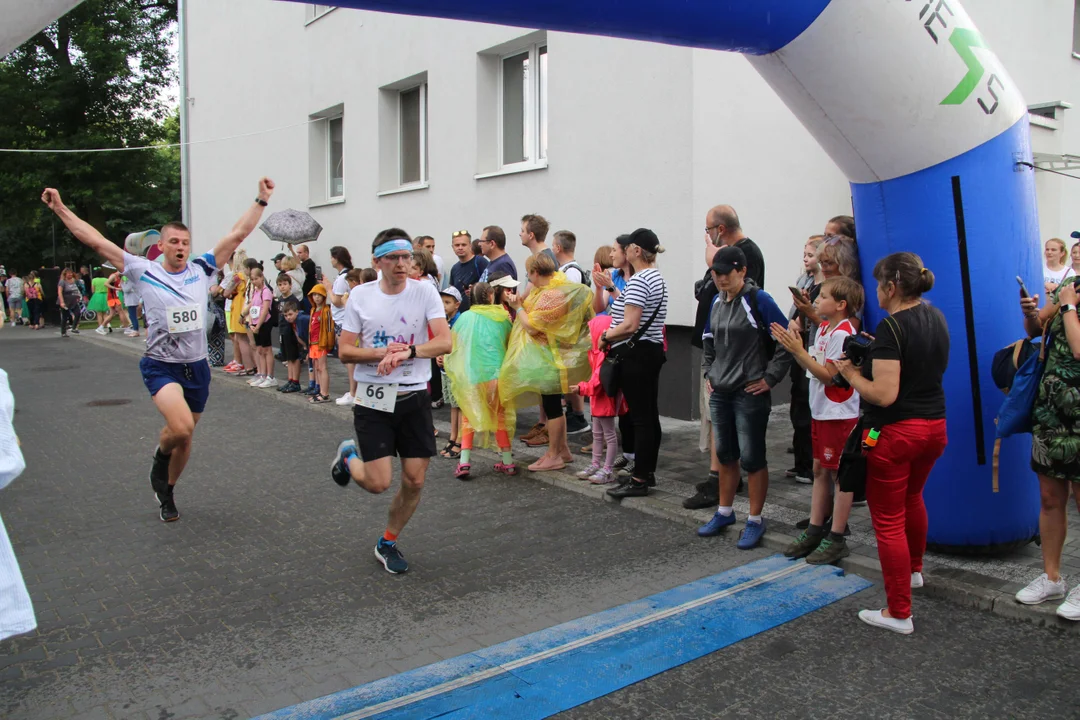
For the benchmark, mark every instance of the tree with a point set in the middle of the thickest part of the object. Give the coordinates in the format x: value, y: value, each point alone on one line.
x: 96, y: 78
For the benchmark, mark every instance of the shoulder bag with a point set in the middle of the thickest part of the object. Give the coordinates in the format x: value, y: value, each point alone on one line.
x: 610, y: 369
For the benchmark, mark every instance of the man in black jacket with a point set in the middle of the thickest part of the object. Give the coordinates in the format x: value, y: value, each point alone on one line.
x: 722, y: 228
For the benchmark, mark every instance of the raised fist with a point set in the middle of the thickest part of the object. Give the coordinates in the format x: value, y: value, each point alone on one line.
x: 266, y: 188
x: 51, y: 198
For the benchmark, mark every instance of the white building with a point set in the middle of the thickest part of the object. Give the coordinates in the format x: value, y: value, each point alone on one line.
x: 371, y: 120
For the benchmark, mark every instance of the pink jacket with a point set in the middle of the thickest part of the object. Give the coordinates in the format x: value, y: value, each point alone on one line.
x: 600, y: 405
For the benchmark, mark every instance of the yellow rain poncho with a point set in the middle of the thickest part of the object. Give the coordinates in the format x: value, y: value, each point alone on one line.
x: 555, y: 355
x: 480, y: 337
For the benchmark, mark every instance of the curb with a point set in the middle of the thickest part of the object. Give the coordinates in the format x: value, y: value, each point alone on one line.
x: 960, y: 587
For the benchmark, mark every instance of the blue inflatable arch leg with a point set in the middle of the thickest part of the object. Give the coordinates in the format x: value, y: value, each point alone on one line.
x: 922, y: 117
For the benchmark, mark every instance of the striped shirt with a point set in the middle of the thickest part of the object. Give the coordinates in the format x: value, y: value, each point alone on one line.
x: 646, y: 290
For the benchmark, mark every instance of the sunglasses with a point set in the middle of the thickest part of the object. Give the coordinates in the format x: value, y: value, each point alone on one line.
x: 459, y: 233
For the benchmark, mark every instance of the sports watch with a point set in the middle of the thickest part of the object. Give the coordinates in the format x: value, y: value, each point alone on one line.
x: 1068, y: 308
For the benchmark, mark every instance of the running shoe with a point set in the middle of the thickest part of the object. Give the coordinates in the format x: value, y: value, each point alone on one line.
x: 159, y: 476
x: 1070, y: 609
x: 236, y: 370
x: 391, y: 558
x: 257, y: 379
x: 716, y: 524
x: 346, y: 399
x: 532, y: 432
x: 803, y: 545
x: 233, y: 367
x: 1042, y: 589
x: 290, y: 387
x: 828, y: 552
x: 267, y: 383
x: 602, y: 477
x: 168, y: 511
x: 75, y: 330
x: 339, y: 469
x: 101, y: 331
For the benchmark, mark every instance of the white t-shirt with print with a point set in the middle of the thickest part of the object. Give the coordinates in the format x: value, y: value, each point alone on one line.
x: 340, y: 286
x: 380, y: 319
x: 829, y: 402
x: 1056, y: 276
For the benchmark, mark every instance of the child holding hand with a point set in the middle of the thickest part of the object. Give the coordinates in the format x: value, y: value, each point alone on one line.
x: 834, y: 409
x: 604, y: 411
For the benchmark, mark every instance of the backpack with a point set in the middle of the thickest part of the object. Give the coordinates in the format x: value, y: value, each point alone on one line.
x: 586, y: 276
x: 767, y: 340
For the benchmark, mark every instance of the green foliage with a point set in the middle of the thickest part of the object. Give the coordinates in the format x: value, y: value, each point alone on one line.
x: 96, y: 78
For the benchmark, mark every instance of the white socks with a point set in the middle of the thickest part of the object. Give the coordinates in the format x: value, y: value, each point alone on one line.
x: 725, y: 510
x: 756, y: 519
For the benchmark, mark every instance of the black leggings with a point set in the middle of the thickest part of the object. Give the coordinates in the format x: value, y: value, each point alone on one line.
x: 34, y: 308
x: 626, y: 429
x: 640, y: 382
x: 552, y: 406
x: 68, y: 318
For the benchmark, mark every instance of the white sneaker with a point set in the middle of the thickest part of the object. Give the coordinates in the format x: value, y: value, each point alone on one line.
x: 875, y: 618
x: 1070, y: 609
x: 917, y: 580
x: 346, y: 399
x: 267, y: 383
x: 256, y: 379
x: 1042, y: 589
x: 101, y: 330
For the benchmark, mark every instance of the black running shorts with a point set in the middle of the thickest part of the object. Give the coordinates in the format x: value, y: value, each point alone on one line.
x: 290, y: 348
x: 408, y: 432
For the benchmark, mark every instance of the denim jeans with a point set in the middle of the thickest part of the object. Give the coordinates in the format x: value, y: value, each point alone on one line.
x: 739, y: 422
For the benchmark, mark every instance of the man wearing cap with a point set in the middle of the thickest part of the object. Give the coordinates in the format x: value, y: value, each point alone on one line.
x: 469, y: 267
x: 741, y: 364
x: 493, y: 245
x: 722, y: 227
x: 385, y: 332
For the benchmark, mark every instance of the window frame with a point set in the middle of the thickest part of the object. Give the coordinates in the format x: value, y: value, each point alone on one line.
x: 330, y: 197
x: 535, y: 115
x: 423, y: 140
x: 312, y: 11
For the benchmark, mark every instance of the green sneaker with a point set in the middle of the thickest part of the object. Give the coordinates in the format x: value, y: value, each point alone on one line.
x: 803, y: 545
x: 828, y: 552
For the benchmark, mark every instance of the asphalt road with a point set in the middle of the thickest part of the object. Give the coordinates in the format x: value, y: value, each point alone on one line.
x: 265, y: 593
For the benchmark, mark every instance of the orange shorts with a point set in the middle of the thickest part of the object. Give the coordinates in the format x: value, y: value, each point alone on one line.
x: 114, y: 302
x: 315, y: 352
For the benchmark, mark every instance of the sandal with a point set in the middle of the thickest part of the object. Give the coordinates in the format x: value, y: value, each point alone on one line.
x: 462, y: 472
x: 510, y: 469
x: 452, y: 450
x: 317, y: 399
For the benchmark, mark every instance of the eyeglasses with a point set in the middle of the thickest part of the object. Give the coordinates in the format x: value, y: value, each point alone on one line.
x: 459, y: 233
x: 717, y: 226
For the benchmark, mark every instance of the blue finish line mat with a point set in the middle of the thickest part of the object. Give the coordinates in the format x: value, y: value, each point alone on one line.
x: 546, y: 672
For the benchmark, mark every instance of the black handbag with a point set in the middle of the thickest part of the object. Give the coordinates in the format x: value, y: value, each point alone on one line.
x: 610, y: 369
x: 851, y: 476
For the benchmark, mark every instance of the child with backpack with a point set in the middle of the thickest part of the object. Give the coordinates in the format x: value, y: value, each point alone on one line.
x: 834, y: 409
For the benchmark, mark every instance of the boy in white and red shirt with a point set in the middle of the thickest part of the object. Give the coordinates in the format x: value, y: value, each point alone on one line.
x: 834, y: 407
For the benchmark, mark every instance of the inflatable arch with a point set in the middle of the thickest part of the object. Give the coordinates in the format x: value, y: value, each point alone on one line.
x: 922, y: 117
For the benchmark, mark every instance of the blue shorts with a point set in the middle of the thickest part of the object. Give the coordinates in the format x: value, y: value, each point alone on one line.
x: 194, y: 378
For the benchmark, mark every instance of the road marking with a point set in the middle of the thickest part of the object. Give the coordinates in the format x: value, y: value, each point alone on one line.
x: 621, y: 636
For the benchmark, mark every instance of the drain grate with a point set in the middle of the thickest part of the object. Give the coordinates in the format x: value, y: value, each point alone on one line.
x: 108, y: 403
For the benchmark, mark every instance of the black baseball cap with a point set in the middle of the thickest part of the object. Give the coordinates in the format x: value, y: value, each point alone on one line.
x: 279, y: 256
x: 728, y: 258
x: 642, y: 237
x: 1075, y: 234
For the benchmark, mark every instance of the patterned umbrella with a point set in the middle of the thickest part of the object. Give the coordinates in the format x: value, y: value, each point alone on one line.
x: 292, y: 227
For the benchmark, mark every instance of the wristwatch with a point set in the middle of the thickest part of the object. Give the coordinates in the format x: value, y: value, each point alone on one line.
x: 261, y: 201
x: 412, y: 351
x: 1068, y: 308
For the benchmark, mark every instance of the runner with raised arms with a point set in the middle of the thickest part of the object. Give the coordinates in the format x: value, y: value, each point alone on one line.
x: 174, y: 295
x: 391, y: 319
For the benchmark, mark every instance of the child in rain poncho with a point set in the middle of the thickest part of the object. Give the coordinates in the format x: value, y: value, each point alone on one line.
x: 480, y: 339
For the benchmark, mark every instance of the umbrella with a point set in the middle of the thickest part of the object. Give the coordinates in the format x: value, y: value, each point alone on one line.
x: 292, y: 227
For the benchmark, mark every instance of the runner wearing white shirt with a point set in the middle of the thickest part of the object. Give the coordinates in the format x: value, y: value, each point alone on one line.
x: 391, y: 319
x: 174, y: 295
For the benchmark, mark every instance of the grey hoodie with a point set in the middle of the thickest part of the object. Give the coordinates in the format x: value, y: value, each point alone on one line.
x: 734, y: 350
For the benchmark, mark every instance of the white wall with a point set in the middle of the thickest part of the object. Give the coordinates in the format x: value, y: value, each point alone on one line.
x: 640, y: 134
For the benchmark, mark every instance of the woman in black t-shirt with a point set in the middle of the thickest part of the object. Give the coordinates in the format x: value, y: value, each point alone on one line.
x: 903, y: 399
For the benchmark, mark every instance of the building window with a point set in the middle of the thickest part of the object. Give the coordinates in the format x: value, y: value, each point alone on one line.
x: 523, y: 107
x: 314, y: 12
x: 412, y: 135
x: 326, y: 153
x: 403, y: 136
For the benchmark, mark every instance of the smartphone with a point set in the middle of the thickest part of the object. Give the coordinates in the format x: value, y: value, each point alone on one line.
x: 318, y: 271
x: 1023, y: 289
x: 795, y: 292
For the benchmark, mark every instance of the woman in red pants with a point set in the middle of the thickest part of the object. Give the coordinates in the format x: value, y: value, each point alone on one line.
x: 903, y: 399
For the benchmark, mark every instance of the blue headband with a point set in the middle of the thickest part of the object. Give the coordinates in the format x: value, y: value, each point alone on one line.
x: 392, y: 246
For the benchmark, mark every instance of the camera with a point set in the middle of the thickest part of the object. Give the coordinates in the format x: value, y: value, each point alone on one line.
x: 857, y: 349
